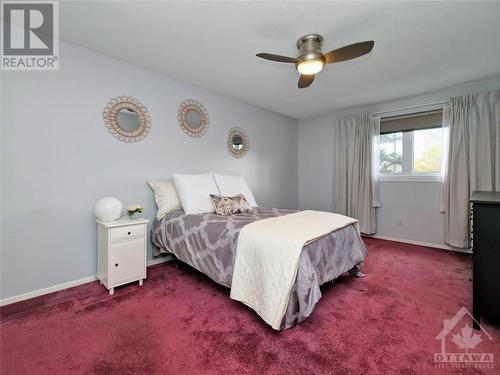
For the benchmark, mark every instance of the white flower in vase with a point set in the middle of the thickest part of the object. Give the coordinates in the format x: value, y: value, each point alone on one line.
x: 134, y: 211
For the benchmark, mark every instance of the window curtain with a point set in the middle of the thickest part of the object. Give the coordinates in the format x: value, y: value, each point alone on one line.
x: 472, y: 124
x: 355, y: 169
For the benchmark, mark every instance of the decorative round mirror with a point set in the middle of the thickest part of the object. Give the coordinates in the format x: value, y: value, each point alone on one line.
x: 237, y: 142
x: 193, y: 118
x: 127, y: 119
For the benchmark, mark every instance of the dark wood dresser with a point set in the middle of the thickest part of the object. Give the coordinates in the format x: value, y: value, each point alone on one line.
x: 485, y: 242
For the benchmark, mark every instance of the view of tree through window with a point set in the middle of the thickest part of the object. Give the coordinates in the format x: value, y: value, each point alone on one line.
x: 391, y: 153
x: 412, y: 152
x: 427, y: 150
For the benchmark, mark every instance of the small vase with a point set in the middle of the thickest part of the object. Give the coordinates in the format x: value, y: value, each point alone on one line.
x: 133, y: 215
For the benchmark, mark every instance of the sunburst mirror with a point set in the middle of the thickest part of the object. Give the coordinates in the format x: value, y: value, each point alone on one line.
x: 127, y: 119
x: 193, y: 118
x: 237, y: 142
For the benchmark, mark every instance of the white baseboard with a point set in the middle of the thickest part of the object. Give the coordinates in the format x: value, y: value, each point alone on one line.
x: 162, y: 259
x: 69, y: 284
x: 412, y: 242
x: 50, y: 289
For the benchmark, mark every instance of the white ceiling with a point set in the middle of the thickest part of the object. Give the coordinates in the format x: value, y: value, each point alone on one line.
x: 419, y: 46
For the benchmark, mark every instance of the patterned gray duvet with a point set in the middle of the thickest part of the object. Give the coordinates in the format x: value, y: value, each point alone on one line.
x: 208, y: 242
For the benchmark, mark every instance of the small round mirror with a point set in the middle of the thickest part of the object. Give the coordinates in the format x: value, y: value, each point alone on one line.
x: 237, y: 142
x: 128, y: 120
x: 193, y: 118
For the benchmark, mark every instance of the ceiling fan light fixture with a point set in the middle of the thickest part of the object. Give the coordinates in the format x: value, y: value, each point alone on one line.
x: 310, y: 66
x: 311, y: 60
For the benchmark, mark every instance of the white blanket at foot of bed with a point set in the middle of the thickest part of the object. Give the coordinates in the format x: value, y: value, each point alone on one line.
x: 267, y: 258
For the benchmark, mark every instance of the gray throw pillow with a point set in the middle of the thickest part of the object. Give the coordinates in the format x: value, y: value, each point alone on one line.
x: 226, y: 206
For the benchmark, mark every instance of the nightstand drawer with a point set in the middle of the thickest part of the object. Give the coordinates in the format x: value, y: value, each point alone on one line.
x: 121, y: 233
x: 126, y: 261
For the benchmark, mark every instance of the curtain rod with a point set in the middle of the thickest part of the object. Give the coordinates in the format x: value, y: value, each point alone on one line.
x: 407, y: 108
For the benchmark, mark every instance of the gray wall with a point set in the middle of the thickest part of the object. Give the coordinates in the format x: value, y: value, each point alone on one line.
x: 410, y: 210
x: 58, y: 159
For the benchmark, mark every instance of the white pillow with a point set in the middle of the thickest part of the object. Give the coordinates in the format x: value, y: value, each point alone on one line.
x: 166, y: 197
x: 194, y: 192
x: 229, y: 186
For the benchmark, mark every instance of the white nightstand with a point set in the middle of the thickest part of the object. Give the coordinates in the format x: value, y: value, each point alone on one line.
x: 121, y: 252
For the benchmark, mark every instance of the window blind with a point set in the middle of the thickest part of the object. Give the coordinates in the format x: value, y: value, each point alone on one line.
x: 410, y: 122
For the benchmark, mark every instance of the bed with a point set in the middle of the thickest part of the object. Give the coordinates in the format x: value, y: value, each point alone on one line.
x: 208, y: 243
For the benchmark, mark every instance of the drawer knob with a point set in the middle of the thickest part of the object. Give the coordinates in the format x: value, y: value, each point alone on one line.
x: 116, y: 264
x: 128, y: 233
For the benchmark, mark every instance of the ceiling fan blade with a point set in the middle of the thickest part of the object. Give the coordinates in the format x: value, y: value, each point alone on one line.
x: 349, y: 52
x: 305, y: 80
x: 278, y: 58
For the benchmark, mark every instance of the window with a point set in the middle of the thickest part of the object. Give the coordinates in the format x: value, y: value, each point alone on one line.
x: 410, y: 145
x: 427, y: 150
x: 391, y: 153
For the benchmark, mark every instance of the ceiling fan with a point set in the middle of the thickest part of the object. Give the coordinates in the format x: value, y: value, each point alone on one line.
x: 311, y: 60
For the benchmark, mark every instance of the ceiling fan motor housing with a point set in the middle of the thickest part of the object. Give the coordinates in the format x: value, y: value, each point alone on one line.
x: 309, y: 47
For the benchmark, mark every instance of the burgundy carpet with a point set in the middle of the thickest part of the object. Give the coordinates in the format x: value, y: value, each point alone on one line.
x: 180, y: 322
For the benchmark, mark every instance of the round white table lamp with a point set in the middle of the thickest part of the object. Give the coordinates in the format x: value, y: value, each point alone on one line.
x: 108, y: 209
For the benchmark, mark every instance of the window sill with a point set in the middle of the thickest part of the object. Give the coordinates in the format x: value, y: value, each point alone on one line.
x: 410, y: 178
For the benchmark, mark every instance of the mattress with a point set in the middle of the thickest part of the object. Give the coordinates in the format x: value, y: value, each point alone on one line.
x: 207, y: 242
